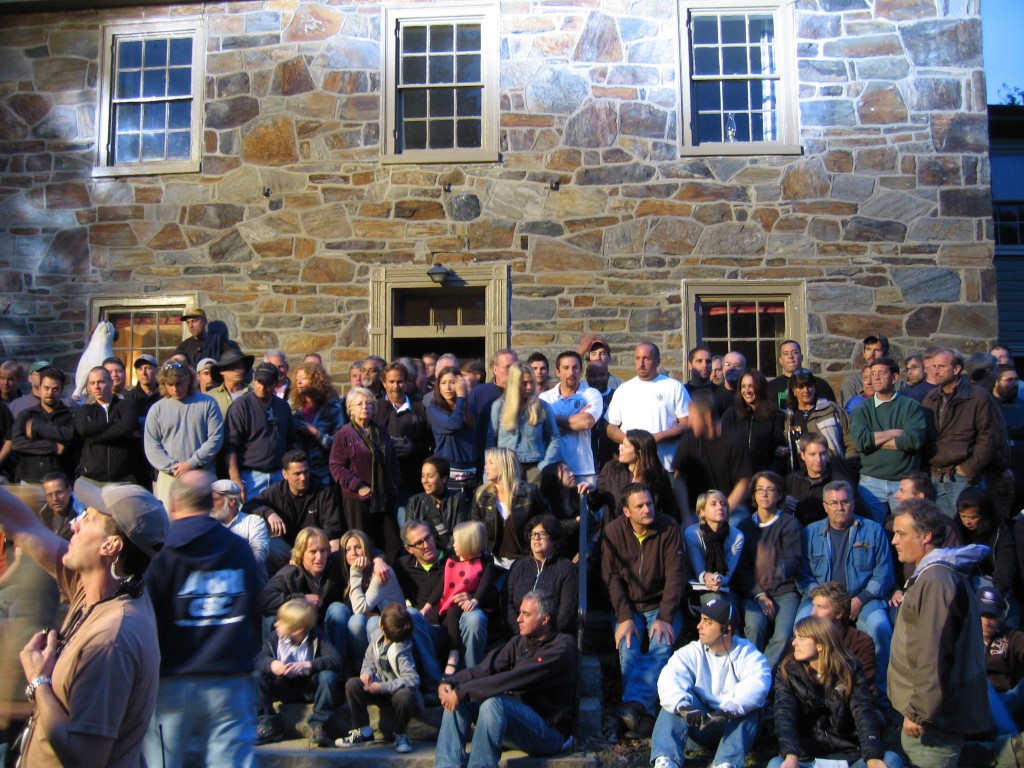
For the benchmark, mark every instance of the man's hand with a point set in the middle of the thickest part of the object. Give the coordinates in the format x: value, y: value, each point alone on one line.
x: 896, y: 599
x: 365, y: 492
x: 39, y: 656
x: 694, y: 717
x: 276, y: 524
x: 792, y: 761
x: 876, y: 763
x: 662, y: 632
x: 278, y: 668
x: 912, y: 729
x: 626, y: 631
x: 381, y: 570
x: 767, y: 606
x: 313, y: 600
x: 856, y: 604
x: 182, y: 467
x: 448, y: 697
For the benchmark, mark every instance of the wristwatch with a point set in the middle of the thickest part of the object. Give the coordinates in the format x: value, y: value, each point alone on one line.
x: 35, y: 682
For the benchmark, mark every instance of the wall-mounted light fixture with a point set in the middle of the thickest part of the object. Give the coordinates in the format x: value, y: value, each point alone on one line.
x: 437, y: 274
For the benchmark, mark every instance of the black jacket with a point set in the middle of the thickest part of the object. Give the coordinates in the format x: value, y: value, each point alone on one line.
x: 293, y: 582
x: 324, y: 655
x: 37, y: 455
x: 526, y: 503
x: 319, y: 507
x: 812, y: 721
x: 110, y: 446
x: 557, y: 576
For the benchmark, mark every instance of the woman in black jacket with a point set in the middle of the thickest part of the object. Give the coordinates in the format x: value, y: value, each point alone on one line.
x: 637, y: 462
x: 758, y: 424
x: 440, y: 507
x: 505, y: 504
x: 823, y: 704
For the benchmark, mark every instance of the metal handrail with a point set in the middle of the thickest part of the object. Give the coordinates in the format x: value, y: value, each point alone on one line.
x: 581, y: 602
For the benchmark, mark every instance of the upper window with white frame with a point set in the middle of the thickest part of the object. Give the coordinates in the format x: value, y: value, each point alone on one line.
x: 738, y: 78
x: 150, y: 112
x: 441, y: 89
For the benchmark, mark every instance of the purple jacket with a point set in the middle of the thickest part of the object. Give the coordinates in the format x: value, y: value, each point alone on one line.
x: 351, y: 462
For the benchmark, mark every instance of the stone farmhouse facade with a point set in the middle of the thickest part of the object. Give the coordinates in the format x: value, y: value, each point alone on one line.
x: 671, y: 170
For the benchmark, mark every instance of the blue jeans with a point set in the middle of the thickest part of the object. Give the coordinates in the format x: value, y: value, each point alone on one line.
x: 935, y: 749
x: 947, y: 490
x: 428, y: 641
x: 256, y: 482
x: 878, y: 497
x: 731, y: 740
x: 221, y: 711
x: 321, y: 688
x: 500, y: 721
x: 640, y: 670
x: 891, y: 760
x: 336, y: 626
x: 756, y: 625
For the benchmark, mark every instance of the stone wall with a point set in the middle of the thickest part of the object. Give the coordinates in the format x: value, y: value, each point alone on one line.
x: 886, y: 214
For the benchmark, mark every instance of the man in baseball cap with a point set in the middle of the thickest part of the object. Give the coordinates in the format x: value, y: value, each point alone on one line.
x: 1004, y: 661
x: 95, y: 684
x: 719, y: 710
x: 201, y: 343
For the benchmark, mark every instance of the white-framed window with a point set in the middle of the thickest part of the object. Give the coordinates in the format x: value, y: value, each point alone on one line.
x: 151, y: 86
x: 441, y: 83
x: 752, y: 317
x: 738, y: 65
x: 142, y: 324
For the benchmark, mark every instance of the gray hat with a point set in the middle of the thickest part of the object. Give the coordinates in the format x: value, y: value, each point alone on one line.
x: 143, y: 359
x: 226, y: 488
x: 205, y: 363
x: 137, y: 512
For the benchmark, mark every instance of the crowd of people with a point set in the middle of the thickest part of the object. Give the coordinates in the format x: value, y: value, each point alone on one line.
x: 415, y: 538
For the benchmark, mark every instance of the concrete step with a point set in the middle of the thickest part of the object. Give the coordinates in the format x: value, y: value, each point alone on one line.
x: 296, y: 754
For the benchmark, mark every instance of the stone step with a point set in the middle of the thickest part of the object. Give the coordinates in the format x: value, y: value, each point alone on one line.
x: 297, y: 754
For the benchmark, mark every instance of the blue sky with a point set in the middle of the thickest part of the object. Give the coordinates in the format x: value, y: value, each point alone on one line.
x: 1001, y: 27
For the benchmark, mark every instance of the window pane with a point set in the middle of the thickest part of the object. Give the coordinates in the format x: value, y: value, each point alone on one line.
x: 474, y: 310
x: 179, y: 145
x: 442, y: 38
x: 181, y: 52
x: 127, y: 117
x: 442, y: 69
x: 442, y: 134
x: 762, y: 29
x: 179, y: 114
x: 467, y: 37
x: 705, y: 61
x: 709, y: 128
x: 154, y: 116
x: 156, y: 53
x: 734, y: 29
x: 415, y: 133
x: 414, y: 103
x: 414, y: 39
x: 705, y: 30
x: 442, y: 102
x: 129, y: 85
x: 180, y: 82
x: 734, y: 95
x: 470, y: 101
x: 707, y: 96
x: 129, y: 54
x: 414, y: 70
x: 154, y: 83
x: 446, y: 313
x: 734, y: 61
x: 744, y: 321
x: 126, y: 148
x: 468, y: 68
x: 714, y: 322
x: 152, y: 146
x: 767, y: 358
x: 470, y: 133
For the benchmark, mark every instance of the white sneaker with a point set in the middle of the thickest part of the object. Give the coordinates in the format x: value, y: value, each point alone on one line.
x: 665, y: 762
x: 402, y: 744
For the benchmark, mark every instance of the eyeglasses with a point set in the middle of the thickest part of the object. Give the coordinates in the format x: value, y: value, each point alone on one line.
x: 172, y: 366
x: 802, y: 372
x: 539, y: 535
x: 839, y: 503
x: 422, y: 543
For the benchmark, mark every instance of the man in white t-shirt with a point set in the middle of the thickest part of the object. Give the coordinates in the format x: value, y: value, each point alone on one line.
x: 650, y: 401
x: 577, y: 408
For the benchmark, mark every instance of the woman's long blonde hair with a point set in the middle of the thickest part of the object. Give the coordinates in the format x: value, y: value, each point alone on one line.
x: 514, y: 404
x: 508, y: 473
x: 835, y: 661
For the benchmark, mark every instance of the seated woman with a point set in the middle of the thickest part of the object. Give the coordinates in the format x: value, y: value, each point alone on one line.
x: 524, y: 423
x: 545, y: 570
x: 823, y: 705
x: 713, y: 549
x: 638, y: 462
x: 562, y: 493
x: 505, y: 504
x: 440, y: 507
x: 367, y: 592
x: 314, y: 575
x: 766, y: 577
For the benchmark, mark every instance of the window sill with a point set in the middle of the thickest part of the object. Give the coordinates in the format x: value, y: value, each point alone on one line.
x: 426, y: 157
x: 146, y: 169
x: 731, y: 149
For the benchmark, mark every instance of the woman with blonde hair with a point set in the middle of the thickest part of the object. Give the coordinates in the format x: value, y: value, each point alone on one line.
x: 713, y: 549
x: 823, y: 704
x: 366, y: 592
x: 318, y: 413
x: 505, y: 504
x: 523, y: 423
